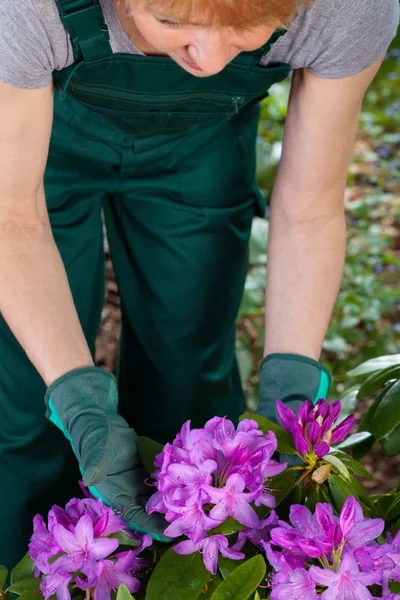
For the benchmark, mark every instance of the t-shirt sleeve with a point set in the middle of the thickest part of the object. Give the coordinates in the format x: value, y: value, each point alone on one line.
x: 26, y: 56
x: 355, y: 37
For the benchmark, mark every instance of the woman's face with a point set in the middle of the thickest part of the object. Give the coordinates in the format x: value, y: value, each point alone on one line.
x: 200, y: 49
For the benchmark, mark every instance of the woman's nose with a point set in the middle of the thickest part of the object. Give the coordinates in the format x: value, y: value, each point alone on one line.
x: 211, y: 52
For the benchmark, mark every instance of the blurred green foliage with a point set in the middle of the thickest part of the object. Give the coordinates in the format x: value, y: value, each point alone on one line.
x: 366, y: 319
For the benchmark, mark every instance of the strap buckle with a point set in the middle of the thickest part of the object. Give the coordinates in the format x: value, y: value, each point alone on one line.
x: 86, y: 23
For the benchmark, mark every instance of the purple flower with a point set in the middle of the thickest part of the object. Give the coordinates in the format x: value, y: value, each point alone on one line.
x: 107, y: 576
x: 307, y: 534
x: 81, y: 546
x: 209, y: 546
x: 56, y: 580
x: 208, y: 474
x: 313, y: 429
x: 42, y: 545
x: 356, y: 529
x: 190, y: 519
x: 232, y: 501
x: 294, y: 584
x: 259, y: 536
x: 347, y: 583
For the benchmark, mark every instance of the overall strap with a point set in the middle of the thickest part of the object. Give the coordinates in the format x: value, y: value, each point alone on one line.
x: 259, y: 53
x: 84, y: 21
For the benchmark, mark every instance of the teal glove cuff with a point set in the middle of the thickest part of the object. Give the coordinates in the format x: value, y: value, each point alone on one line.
x: 291, y: 378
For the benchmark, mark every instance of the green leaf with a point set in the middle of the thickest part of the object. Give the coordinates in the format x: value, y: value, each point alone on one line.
x: 353, y: 464
x: 226, y: 566
x: 3, y: 576
x: 229, y: 526
x: 256, y: 596
x: 352, y: 440
x: 312, y: 498
x: 148, y: 450
x: 377, y: 380
x: 342, y: 488
x: 284, y: 439
x: 387, y: 415
x: 281, y: 485
x: 23, y: 570
x: 376, y: 364
x: 123, y: 593
x: 125, y: 540
x: 394, y: 510
x: 243, y: 581
x: 24, y: 585
x: 369, y: 417
x: 394, y: 587
x: 362, y: 449
x: 31, y: 596
x: 391, y: 443
x: 211, y: 586
x: 177, y: 577
x: 349, y: 401
x: 338, y: 464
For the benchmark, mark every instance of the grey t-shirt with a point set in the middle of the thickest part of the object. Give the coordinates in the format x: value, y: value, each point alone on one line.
x: 333, y: 39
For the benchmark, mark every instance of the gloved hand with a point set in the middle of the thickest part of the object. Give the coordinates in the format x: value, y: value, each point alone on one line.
x: 83, y: 404
x: 292, y: 379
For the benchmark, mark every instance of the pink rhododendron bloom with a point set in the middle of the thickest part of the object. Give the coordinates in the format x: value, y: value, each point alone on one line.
x: 295, y: 584
x: 313, y: 430
x: 209, y: 474
x: 77, y: 548
x: 81, y: 546
x: 209, y: 547
x: 259, y: 536
x: 348, y: 583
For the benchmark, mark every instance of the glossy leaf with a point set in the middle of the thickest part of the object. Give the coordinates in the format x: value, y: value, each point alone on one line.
x: 338, y: 464
x: 148, y: 450
x: 24, y: 585
x: 243, y: 581
x: 226, y: 566
x: 376, y: 364
x: 177, y: 577
x: 352, y: 440
x: 211, y: 586
x: 229, y: 526
x: 284, y: 439
x: 125, y: 540
x: 23, y: 570
x: 391, y: 442
x: 281, y: 485
x: 123, y: 593
x: 387, y: 415
x: 377, y: 380
x: 3, y: 576
x: 394, y: 510
x: 353, y: 464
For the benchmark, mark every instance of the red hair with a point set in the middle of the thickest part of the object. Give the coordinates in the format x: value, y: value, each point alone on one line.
x: 239, y: 14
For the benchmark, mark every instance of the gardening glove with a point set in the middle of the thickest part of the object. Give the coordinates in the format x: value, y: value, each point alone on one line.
x: 84, y: 405
x: 292, y: 379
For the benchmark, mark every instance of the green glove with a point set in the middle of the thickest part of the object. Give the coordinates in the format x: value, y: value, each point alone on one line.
x: 292, y: 379
x: 84, y: 404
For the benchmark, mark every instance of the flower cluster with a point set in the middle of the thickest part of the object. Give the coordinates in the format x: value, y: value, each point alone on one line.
x: 76, y: 546
x: 333, y: 558
x: 209, y: 474
x: 313, y: 429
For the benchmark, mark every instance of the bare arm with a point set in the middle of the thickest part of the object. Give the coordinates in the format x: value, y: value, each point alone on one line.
x: 35, y: 298
x: 307, y: 227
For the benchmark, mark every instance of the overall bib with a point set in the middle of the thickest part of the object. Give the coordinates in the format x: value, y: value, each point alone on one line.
x: 170, y: 159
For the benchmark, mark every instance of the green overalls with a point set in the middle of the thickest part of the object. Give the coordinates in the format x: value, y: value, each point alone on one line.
x: 170, y: 158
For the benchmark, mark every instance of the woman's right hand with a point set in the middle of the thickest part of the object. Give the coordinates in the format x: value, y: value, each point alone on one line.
x: 83, y: 404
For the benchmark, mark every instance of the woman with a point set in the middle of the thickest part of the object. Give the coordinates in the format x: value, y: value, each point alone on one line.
x: 154, y: 121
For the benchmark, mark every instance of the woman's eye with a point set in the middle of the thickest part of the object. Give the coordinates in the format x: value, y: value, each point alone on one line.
x: 166, y: 22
